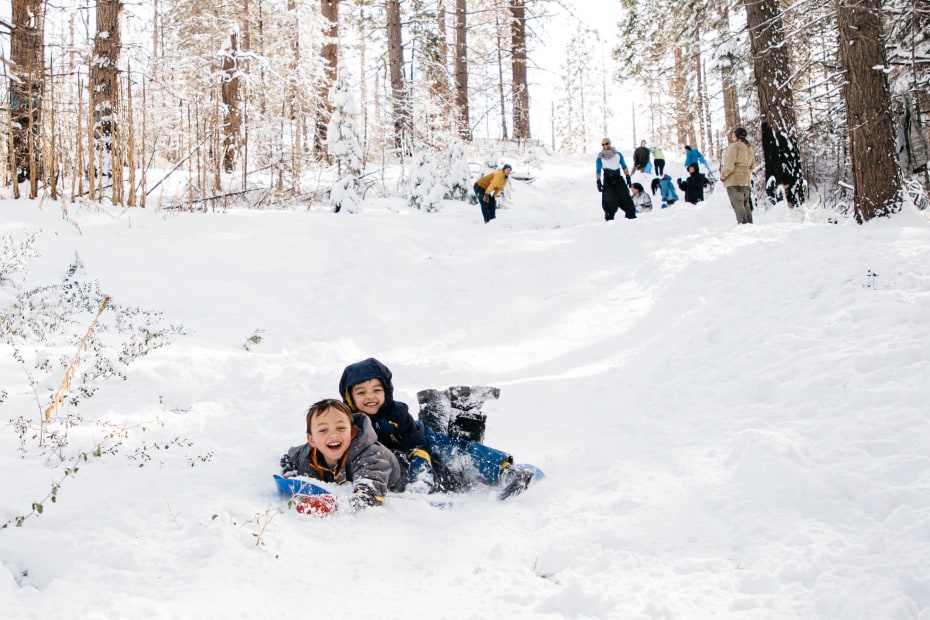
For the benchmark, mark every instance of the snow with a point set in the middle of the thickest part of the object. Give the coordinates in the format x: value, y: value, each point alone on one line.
x: 733, y: 421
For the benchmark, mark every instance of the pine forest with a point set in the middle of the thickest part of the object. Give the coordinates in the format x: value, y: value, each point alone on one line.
x: 203, y: 105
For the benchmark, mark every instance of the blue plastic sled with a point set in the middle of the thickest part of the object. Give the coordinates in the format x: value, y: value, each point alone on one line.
x: 537, y: 472
x: 289, y: 487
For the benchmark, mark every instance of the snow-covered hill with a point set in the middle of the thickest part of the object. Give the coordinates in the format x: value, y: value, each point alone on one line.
x: 733, y: 420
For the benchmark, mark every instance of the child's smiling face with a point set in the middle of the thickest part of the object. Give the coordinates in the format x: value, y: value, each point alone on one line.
x: 368, y: 396
x: 331, y: 434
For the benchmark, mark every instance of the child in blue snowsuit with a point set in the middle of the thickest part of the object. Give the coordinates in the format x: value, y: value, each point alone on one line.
x: 667, y: 186
x: 366, y: 386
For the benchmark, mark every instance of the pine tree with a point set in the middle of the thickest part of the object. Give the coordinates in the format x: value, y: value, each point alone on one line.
x: 343, y: 141
x: 458, y: 173
x: 343, y: 196
x: 425, y: 188
x: 876, y: 175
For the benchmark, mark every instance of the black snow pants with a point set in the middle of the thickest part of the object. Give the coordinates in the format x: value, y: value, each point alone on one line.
x: 616, y: 196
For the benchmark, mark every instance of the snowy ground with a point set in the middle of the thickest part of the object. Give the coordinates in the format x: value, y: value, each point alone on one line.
x: 733, y: 421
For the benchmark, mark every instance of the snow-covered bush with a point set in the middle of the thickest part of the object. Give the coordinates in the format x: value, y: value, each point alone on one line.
x: 343, y: 141
x: 490, y: 162
x: 425, y: 187
x: 343, y: 195
x: 533, y: 158
x: 14, y: 255
x: 458, y: 173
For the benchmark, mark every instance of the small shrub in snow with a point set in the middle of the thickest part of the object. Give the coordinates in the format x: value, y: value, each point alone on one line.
x: 342, y: 136
x: 425, y: 188
x: 458, y: 173
x: 15, y: 255
x: 490, y: 162
x: 343, y: 195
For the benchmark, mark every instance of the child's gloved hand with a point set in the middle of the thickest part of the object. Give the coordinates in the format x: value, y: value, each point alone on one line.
x: 600, y: 186
x: 317, y: 505
x: 288, y: 468
x: 629, y: 182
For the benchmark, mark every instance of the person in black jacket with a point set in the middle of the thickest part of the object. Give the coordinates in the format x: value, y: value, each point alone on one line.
x: 694, y: 185
x: 641, y: 157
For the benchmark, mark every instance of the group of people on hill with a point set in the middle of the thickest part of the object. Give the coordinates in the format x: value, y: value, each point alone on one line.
x: 620, y: 193
x: 368, y: 439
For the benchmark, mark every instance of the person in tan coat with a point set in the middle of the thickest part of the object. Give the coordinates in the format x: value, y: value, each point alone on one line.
x: 736, y: 175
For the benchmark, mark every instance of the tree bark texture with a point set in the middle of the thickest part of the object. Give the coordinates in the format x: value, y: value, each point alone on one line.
x: 521, y: 97
x: 232, y: 103
x: 438, y: 69
x: 400, y: 109
x: 700, y: 98
x: 460, y: 68
x: 731, y: 113
x: 776, y: 101
x: 330, y: 55
x: 684, y: 120
x: 26, y: 42
x: 104, y: 75
x: 876, y: 176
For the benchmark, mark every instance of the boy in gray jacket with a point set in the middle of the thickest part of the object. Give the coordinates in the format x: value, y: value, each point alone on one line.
x: 342, y: 447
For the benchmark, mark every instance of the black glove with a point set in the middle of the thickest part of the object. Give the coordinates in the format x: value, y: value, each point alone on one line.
x: 491, y: 200
x: 600, y: 186
x: 628, y: 181
x: 287, y: 465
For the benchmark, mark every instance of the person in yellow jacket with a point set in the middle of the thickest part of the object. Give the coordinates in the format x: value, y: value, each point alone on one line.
x: 736, y: 175
x: 488, y: 188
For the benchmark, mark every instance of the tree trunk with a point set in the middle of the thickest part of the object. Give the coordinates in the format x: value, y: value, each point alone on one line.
x: 701, y: 102
x: 229, y: 90
x: 731, y: 113
x: 776, y: 101
x: 26, y: 41
x: 105, y: 79
x: 876, y: 176
x: 460, y: 68
x: 521, y: 96
x: 439, y: 69
x: 684, y: 120
x: 500, y: 76
x: 330, y: 55
x: 396, y: 70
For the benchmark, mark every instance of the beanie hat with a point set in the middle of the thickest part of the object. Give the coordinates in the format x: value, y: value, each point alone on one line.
x: 505, y: 166
x: 739, y: 132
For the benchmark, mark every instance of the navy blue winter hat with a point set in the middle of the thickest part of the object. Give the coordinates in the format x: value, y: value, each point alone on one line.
x: 505, y: 166
x: 739, y: 132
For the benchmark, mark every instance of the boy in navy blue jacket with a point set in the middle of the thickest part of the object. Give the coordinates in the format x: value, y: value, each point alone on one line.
x: 366, y: 386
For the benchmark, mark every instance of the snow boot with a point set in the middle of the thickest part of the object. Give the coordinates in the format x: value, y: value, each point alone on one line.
x: 514, y: 480
x: 435, y: 409
x: 468, y: 425
x: 467, y: 397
